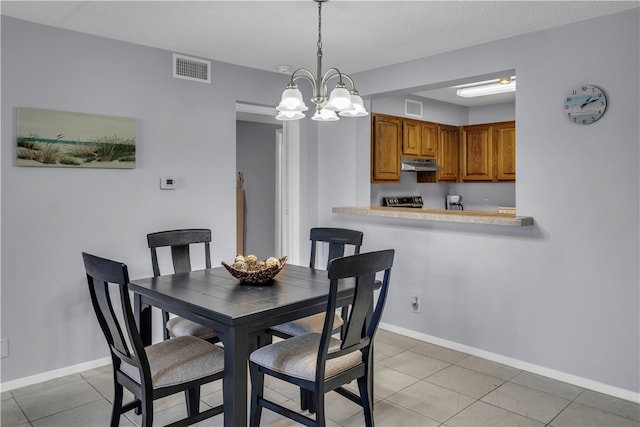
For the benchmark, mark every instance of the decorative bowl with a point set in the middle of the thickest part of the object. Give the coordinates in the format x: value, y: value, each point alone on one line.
x: 255, y: 274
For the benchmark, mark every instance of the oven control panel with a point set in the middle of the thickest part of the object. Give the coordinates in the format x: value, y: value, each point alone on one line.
x: 402, y: 201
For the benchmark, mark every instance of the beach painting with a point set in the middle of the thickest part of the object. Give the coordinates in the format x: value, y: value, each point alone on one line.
x: 78, y: 140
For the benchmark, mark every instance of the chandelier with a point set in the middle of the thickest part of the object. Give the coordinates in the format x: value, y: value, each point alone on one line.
x: 346, y: 103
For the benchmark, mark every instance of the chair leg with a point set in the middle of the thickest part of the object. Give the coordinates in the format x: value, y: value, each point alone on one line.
x: 318, y: 403
x: 257, y: 389
x: 310, y: 401
x: 192, y: 397
x: 117, y: 405
x: 147, y: 411
x: 367, y: 398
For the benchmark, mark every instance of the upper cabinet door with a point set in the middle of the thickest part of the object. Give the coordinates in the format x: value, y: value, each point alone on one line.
x: 411, y: 137
x: 477, y: 153
x: 429, y: 139
x: 504, y: 139
x: 386, y: 145
x: 448, y: 153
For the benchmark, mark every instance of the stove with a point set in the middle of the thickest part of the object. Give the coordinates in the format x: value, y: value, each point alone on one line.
x: 402, y: 201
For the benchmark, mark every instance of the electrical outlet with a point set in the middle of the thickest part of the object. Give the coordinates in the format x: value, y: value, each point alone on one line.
x: 4, y: 348
x: 415, y: 303
x: 167, y: 183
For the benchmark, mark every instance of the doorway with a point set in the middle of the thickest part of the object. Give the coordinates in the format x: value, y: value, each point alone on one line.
x: 270, y: 220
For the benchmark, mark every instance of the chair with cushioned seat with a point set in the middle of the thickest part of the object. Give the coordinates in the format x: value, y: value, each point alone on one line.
x: 320, y: 362
x: 337, y: 240
x: 179, y: 241
x: 177, y: 365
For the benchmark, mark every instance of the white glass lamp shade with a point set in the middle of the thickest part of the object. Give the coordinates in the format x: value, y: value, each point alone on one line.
x: 290, y: 115
x: 325, y: 115
x: 291, y: 100
x: 339, y: 100
x: 358, y: 107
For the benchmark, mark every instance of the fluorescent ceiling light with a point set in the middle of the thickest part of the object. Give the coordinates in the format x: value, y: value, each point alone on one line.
x: 491, y: 88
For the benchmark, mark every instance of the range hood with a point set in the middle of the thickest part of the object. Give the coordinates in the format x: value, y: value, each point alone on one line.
x: 412, y: 164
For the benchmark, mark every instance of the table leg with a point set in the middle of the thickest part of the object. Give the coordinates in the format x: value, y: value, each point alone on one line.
x: 142, y: 313
x: 236, y: 353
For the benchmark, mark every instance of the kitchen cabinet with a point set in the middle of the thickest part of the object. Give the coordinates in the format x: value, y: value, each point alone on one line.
x: 448, y: 153
x: 429, y: 146
x: 447, y: 139
x: 504, y: 137
x: 386, y: 148
x: 419, y: 138
x: 488, y: 152
x: 477, y: 153
x: 411, y: 137
x: 393, y: 137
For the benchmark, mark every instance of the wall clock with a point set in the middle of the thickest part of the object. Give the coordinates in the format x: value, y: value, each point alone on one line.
x: 585, y: 104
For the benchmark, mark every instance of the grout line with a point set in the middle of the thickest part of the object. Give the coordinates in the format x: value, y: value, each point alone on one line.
x: 21, y: 410
x: 560, y: 412
x: 515, y: 413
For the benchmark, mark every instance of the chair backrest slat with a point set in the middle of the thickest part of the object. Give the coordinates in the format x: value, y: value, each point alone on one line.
x: 337, y: 238
x: 179, y: 241
x: 362, y: 301
x: 181, y: 259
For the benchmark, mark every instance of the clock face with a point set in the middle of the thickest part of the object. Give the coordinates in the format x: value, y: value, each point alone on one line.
x: 585, y: 105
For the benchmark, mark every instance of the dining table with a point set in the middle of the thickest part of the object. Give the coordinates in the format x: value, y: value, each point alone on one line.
x: 239, y: 313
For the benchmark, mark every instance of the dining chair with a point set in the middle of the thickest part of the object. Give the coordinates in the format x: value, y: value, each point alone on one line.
x: 181, y: 364
x: 179, y: 241
x: 337, y: 240
x: 322, y: 362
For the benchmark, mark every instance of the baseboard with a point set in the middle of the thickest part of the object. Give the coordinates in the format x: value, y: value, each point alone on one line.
x: 494, y: 357
x: 56, y: 373
x: 519, y: 364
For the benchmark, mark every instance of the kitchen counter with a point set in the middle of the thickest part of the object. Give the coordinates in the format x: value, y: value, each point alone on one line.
x: 473, y: 217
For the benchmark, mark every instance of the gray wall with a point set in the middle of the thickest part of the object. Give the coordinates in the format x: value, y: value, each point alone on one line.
x: 256, y: 159
x: 185, y: 129
x: 561, y: 297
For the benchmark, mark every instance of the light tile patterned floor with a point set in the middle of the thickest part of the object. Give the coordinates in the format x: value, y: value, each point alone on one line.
x: 417, y: 384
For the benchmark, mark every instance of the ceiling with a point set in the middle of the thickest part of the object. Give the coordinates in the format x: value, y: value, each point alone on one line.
x: 356, y: 35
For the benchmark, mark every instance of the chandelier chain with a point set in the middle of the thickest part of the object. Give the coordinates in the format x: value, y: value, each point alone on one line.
x: 319, y: 25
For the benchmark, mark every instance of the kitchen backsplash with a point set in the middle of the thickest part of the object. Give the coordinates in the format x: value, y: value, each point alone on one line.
x: 475, y: 196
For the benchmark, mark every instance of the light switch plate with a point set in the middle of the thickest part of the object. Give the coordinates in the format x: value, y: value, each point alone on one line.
x: 167, y: 183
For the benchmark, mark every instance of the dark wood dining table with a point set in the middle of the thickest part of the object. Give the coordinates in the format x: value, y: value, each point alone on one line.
x: 239, y: 313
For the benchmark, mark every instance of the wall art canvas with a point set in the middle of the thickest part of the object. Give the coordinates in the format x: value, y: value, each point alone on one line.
x: 80, y: 140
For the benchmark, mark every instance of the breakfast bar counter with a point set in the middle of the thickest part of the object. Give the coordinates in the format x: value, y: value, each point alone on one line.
x: 473, y: 217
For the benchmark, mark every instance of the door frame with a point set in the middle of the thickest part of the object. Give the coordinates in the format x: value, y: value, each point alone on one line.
x: 287, y: 226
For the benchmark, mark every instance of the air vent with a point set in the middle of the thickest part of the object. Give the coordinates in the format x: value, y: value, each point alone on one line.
x: 189, y: 68
x: 413, y: 108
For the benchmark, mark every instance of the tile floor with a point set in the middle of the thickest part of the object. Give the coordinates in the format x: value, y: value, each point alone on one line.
x: 416, y: 384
